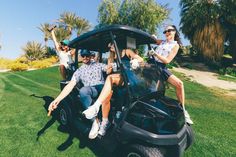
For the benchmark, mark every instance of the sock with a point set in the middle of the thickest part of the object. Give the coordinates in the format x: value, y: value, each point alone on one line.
x: 184, y: 108
x: 104, y: 120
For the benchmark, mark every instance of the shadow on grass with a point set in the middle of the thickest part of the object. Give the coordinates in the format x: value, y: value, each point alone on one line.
x: 93, y: 145
x: 55, y: 117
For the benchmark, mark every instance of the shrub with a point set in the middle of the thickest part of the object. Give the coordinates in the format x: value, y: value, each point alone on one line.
x: 50, y: 52
x: 52, y: 59
x: 34, y: 51
x: 40, y: 64
x: 229, y: 71
x: 4, y: 63
x: 22, y: 59
x: 221, y: 71
x: 17, y: 66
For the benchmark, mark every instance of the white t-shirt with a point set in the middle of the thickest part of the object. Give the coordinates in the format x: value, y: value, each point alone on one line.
x: 165, y: 48
x: 65, y: 58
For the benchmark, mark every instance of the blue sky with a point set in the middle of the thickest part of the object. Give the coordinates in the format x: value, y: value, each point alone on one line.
x: 20, y: 19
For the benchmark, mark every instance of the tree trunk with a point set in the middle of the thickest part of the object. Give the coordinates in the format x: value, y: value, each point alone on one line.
x: 210, y: 41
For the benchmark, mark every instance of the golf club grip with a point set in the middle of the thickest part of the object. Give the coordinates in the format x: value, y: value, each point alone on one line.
x: 49, y: 113
x: 51, y: 28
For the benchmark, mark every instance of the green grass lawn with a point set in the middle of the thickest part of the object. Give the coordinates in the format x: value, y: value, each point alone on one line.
x: 23, y: 115
x: 227, y: 78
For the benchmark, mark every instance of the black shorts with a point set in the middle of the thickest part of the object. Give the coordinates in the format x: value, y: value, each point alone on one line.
x: 165, y: 73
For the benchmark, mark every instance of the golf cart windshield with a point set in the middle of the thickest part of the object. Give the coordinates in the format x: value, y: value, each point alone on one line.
x: 143, y: 80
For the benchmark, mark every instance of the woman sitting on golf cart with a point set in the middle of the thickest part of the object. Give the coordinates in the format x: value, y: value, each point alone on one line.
x: 114, y: 79
x: 163, y: 55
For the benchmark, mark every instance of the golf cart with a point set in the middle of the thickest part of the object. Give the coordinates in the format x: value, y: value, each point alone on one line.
x: 145, y: 123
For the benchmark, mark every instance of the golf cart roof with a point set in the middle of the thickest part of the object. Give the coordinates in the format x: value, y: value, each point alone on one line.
x: 98, y: 39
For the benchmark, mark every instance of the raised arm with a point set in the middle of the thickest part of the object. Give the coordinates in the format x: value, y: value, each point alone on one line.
x: 57, y: 45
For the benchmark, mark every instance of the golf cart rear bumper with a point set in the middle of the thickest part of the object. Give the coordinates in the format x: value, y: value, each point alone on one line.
x: 177, y: 141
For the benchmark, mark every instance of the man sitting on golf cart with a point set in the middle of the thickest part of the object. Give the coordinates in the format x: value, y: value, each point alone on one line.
x: 91, y: 75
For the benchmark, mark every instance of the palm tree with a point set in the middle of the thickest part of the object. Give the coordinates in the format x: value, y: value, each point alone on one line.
x: 72, y: 22
x: 81, y: 25
x: 44, y: 28
x: 200, y: 22
x: 67, y: 20
x: 62, y: 33
x: 34, y: 51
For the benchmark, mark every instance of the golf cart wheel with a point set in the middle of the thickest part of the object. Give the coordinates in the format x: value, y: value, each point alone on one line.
x: 190, y: 136
x: 65, y: 115
x: 142, y: 151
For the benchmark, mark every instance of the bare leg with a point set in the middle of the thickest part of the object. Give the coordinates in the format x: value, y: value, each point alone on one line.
x: 63, y: 71
x: 107, y: 89
x: 179, y: 88
x: 106, y: 105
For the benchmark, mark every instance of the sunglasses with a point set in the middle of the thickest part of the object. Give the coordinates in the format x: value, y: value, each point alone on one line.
x: 83, y: 56
x: 168, y: 30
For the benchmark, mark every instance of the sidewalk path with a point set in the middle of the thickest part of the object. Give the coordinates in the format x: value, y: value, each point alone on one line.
x: 207, y: 78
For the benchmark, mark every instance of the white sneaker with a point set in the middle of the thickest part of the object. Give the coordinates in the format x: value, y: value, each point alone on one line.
x: 91, y: 112
x: 187, y: 117
x: 103, y: 128
x: 94, y: 130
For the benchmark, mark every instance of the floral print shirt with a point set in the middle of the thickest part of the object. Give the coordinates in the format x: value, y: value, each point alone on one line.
x: 90, y: 74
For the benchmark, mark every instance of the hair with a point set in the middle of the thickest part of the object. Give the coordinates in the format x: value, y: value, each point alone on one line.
x: 61, y: 45
x: 111, y: 57
x: 63, y: 49
x: 111, y: 54
x: 177, y: 35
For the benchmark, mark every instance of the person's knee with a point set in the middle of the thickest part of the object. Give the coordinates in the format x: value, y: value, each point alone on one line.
x: 109, y: 78
x: 85, y: 97
x: 84, y: 92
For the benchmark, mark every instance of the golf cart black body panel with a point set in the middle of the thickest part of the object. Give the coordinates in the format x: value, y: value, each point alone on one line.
x: 130, y: 133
